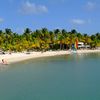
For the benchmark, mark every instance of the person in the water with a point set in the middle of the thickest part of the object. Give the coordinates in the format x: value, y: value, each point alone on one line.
x: 4, y: 61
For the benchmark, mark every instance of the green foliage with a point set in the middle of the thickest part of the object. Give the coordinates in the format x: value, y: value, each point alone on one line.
x: 44, y: 39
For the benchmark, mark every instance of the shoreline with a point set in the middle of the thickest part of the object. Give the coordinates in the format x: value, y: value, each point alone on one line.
x: 17, y: 57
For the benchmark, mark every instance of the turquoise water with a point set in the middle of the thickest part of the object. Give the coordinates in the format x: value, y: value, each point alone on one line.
x: 69, y: 77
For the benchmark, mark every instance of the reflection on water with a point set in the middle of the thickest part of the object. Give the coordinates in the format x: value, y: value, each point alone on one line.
x: 81, y: 56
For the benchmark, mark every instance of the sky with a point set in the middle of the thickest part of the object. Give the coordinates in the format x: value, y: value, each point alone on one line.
x: 82, y: 15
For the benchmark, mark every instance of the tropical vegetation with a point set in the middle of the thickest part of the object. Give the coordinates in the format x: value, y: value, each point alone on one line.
x: 43, y: 39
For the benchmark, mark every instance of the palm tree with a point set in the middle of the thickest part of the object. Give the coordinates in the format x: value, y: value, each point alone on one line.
x: 27, y: 31
x: 73, y: 31
x: 43, y: 39
x: 56, y: 32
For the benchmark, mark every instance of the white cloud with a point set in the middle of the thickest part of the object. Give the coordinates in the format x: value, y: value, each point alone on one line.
x: 31, y: 8
x: 1, y: 20
x: 90, y: 6
x: 78, y: 21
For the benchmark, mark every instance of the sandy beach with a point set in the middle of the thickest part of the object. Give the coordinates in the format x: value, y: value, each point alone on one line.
x: 16, y: 57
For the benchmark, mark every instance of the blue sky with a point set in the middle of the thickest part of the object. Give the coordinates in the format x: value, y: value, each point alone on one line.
x: 82, y: 15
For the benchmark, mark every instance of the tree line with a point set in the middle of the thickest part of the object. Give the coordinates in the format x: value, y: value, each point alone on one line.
x: 43, y: 39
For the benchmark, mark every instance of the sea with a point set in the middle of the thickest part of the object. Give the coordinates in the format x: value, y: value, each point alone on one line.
x: 66, y: 77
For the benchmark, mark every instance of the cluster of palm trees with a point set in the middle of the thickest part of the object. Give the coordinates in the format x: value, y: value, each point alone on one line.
x: 43, y: 39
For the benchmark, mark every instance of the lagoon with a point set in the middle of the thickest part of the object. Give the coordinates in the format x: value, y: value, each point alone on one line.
x: 67, y: 77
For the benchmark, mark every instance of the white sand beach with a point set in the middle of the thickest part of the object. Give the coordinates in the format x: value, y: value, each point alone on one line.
x: 16, y: 57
